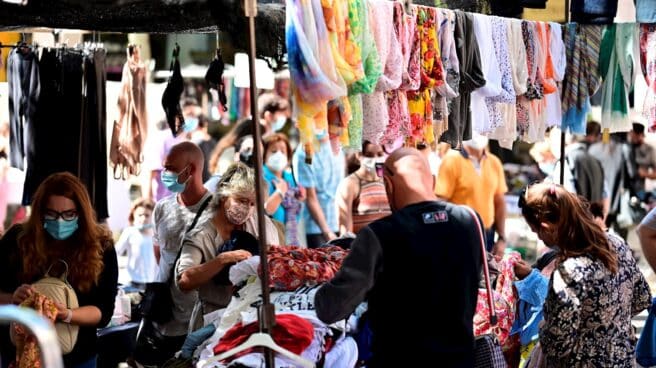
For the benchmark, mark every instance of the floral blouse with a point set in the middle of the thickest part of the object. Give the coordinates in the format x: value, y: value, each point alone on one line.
x: 588, y: 311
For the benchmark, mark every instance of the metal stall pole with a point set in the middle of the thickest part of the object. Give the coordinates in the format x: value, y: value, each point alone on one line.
x: 51, y: 355
x: 562, y: 131
x: 267, y: 312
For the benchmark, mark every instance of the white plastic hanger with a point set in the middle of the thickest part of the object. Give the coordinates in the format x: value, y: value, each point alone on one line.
x: 263, y: 340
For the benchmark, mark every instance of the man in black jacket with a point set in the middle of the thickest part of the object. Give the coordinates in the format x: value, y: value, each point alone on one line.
x: 430, y: 247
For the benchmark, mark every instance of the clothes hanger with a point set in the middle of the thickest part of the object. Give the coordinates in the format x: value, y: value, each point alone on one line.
x: 263, y: 340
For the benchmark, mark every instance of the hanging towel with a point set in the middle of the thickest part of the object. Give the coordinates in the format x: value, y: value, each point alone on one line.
x: 376, y: 116
x: 359, y: 18
x: 648, y: 63
x: 619, y: 50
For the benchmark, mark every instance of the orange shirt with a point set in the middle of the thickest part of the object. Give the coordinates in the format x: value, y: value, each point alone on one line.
x: 459, y: 182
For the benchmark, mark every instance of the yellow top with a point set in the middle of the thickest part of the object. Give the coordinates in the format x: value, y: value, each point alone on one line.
x: 459, y: 182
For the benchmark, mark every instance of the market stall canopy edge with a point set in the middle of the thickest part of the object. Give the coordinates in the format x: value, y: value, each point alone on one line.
x: 154, y: 16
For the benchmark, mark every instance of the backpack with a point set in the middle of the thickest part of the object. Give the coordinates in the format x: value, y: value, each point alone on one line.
x: 59, y: 290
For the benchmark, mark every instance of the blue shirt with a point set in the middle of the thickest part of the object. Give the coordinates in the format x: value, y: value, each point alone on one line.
x: 645, y: 11
x: 269, y: 176
x: 324, y: 175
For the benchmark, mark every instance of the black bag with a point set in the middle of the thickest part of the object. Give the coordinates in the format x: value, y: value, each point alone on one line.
x: 238, y: 240
x: 153, y: 348
x: 157, y: 302
x: 487, y: 351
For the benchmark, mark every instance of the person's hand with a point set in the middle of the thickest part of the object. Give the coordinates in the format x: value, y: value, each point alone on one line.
x: 330, y: 236
x: 23, y: 292
x: 499, y: 249
x: 302, y: 194
x: 642, y: 172
x: 281, y: 186
x: 522, y: 269
x: 235, y: 256
x: 62, y: 311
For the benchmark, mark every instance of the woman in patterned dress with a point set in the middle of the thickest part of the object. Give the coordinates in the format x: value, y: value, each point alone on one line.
x: 595, y: 290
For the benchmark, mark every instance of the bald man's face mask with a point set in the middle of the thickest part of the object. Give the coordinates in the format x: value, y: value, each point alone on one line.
x: 171, y: 180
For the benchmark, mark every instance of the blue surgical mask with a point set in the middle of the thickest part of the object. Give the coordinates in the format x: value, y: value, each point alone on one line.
x: 279, y: 123
x: 277, y: 161
x: 320, y: 135
x: 145, y: 227
x: 190, y: 124
x: 60, y: 229
x: 170, y: 181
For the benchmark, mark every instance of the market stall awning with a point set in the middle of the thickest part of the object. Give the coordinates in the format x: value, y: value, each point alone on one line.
x: 154, y: 16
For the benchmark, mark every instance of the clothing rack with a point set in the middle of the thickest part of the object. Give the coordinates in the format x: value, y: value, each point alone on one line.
x: 562, y: 131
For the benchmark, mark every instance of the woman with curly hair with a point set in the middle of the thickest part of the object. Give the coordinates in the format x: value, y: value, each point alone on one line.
x: 595, y: 289
x: 62, y: 226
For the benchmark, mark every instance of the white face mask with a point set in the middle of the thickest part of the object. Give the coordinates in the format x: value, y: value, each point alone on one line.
x: 277, y: 161
x: 478, y: 142
x: 434, y: 162
x: 368, y: 163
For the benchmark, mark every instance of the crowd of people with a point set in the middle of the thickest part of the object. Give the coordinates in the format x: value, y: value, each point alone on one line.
x: 405, y: 213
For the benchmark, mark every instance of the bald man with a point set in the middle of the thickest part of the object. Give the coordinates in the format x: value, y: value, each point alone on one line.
x: 429, y: 247
x: 183, y: 176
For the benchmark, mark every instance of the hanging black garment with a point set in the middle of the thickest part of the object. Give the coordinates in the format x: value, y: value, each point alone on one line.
x: 471, y: 78
x: 24, y: 90
x: 171, y: 96
x: 214, y: 78
x: 70, y: 124
x: 92, y: 161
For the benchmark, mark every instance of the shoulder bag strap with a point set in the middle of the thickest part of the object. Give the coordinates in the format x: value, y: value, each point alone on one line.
x: 200, y: 211
x: 486, y: 270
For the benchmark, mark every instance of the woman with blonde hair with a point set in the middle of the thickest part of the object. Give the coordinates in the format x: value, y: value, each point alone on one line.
x: 208, y: 251
x: 595, y: 289
x: 62, y: 226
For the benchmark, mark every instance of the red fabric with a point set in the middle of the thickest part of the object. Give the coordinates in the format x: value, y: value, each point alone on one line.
x: 293, y: 267
x: 290, y: 332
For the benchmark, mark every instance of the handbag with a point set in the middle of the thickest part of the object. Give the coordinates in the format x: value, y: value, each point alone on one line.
x: 157, y: 302
x: 59, y: 290
x: 487, y: 350
x: 646, y: 348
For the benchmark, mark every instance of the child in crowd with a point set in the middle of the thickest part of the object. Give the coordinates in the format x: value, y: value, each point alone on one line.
x: 137, y: 241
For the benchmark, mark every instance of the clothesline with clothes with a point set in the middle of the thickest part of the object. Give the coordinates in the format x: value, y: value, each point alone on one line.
x: 371, y: 70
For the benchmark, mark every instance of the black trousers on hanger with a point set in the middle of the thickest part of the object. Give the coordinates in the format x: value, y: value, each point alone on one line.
x: 92, y: 163
x: 23, y: 78
x: 57, y: 121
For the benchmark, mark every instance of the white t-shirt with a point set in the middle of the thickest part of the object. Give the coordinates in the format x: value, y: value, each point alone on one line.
x: 142, y: 264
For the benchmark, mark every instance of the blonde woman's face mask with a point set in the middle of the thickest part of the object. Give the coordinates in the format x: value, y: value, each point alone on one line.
x: 238, y: 209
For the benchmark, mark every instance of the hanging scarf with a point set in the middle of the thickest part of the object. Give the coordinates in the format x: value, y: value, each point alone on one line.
x: 359, y: 18
x: 315, y: 79
x: 432, y: 75
x: 648, y: 62
x: 619, y: 49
